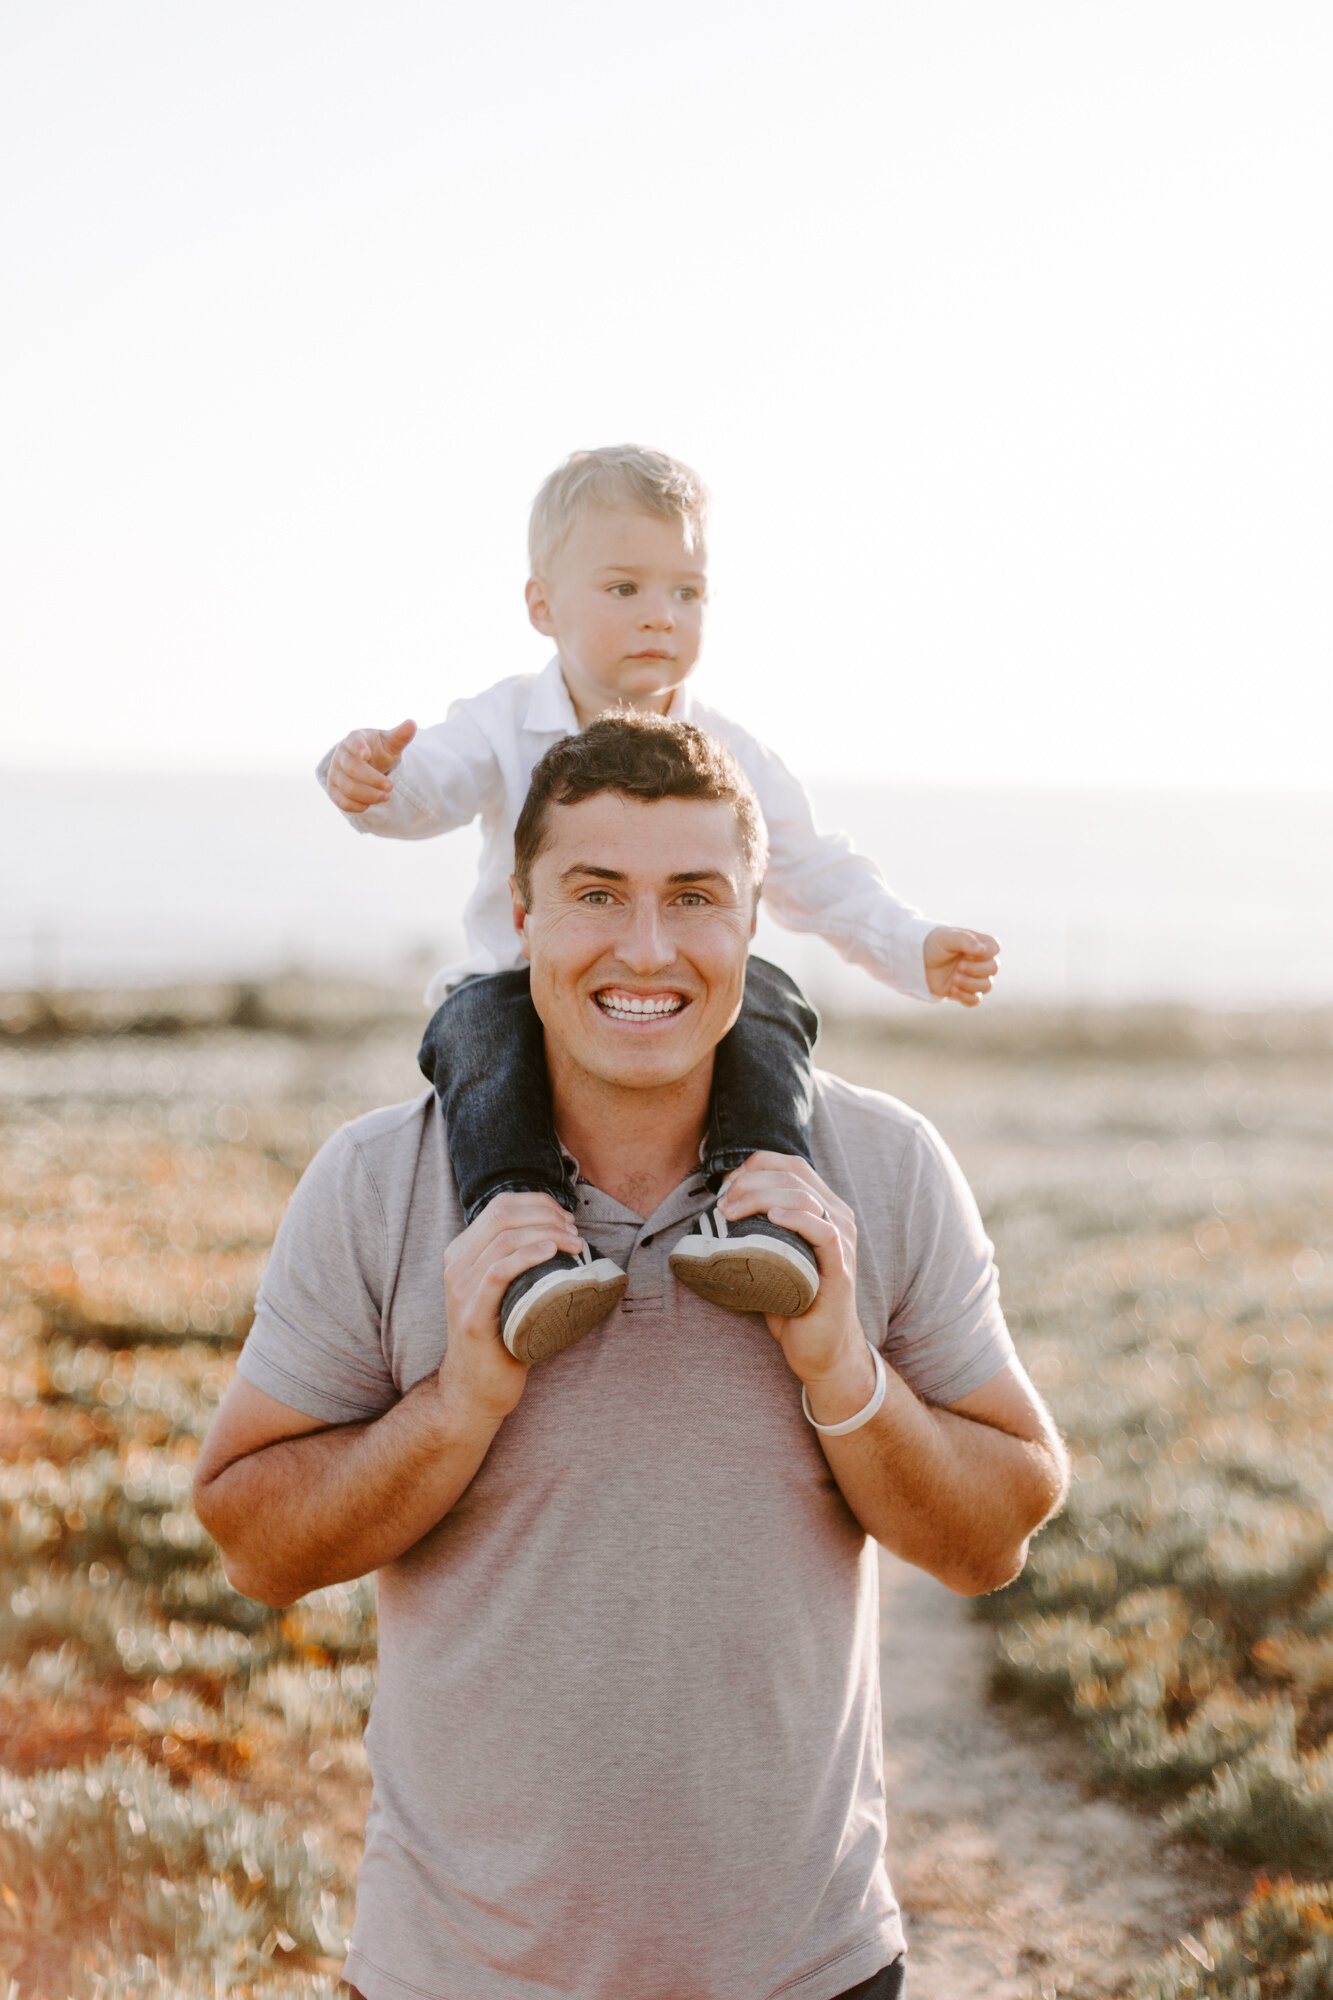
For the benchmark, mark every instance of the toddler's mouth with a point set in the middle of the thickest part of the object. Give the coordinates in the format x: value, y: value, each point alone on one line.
x: 620, y: 1005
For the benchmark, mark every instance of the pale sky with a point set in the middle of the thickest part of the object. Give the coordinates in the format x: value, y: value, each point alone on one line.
x: 1001, y: 333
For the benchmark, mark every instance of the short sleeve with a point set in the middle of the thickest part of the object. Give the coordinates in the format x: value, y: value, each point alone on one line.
x: 316, y: 1342
x: 946, y: 1334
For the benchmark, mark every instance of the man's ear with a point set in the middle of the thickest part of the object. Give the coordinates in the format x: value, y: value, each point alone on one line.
x: 520, y: 914
x: 539, y: 608
x: 754, y: 913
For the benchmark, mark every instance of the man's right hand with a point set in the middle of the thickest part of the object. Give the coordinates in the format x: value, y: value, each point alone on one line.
x: 512, y: 1233
x: 359, y: 771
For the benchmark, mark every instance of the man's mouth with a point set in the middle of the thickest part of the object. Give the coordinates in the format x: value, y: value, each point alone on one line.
x: 620, y: 1005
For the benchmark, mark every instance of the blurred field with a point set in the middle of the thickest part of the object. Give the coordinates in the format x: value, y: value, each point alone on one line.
x: 183, y: 1780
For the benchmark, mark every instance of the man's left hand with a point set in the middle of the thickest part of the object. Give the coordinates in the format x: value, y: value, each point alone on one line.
x: 825, y: 1348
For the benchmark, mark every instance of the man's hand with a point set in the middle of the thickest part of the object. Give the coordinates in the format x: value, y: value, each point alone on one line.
x: 957, y: 1489
x: 825, y: 1348
x: 359, y: 772
x: 960, y: 965
x: 512, y: 1233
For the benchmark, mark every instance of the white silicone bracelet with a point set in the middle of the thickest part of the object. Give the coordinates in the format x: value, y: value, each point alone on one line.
x: 862, y: 1416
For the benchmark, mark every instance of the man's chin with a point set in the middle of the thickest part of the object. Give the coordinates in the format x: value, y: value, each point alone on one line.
x: 643, y: 1058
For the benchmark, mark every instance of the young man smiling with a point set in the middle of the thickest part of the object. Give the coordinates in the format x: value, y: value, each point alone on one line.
x: 625, y: 1738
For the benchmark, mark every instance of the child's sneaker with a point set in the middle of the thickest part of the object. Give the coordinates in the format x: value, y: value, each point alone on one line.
x: 750, y: 1265
x: 554, y: 1304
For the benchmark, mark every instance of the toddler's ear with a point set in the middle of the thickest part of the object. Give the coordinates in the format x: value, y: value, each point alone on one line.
x: 539, y: 610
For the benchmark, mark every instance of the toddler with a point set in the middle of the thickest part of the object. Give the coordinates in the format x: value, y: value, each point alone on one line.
x: 617, y: 546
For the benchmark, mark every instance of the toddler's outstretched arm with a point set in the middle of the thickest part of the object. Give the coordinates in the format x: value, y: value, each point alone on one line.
x: 960, y: 965
x: 358, y: 775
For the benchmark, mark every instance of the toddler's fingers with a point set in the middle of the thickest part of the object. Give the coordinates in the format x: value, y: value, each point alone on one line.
x: 354, y: 795
x: 397, y: 740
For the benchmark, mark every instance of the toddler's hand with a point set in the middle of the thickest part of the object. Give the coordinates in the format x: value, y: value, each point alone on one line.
x: 359, y: 772
x: 960, y: 965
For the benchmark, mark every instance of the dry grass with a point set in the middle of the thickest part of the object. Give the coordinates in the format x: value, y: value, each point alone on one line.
x: 1158, y: 1185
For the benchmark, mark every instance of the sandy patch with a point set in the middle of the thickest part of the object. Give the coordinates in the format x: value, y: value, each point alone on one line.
x: 1017, y: 1881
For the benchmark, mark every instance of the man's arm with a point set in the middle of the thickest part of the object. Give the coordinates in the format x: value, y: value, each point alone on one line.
x: 956, y: 1490
x: 294, y: 1505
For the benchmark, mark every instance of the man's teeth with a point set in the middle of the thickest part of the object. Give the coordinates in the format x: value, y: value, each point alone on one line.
x: 629, y: 1005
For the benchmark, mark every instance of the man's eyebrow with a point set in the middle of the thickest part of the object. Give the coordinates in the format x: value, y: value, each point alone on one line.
x: 583, y: 868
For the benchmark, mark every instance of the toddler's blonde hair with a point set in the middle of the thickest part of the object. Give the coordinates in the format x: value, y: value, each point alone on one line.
x: 616, y: 475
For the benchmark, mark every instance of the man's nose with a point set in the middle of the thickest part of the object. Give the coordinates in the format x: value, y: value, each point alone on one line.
x: 644, y: 945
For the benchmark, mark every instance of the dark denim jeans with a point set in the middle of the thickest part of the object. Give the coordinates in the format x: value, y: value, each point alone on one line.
x: 484, y: 1051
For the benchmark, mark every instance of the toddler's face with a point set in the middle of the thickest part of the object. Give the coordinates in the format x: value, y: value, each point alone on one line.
x: 625, y: 605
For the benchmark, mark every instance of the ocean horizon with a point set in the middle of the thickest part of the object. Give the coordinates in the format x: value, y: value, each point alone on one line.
x: 1209, y: 898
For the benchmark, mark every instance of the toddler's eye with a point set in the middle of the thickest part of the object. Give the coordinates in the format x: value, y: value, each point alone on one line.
x: 622, y: 590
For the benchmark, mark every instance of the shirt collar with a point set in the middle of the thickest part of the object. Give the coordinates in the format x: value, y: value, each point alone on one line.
x: 550, y: 712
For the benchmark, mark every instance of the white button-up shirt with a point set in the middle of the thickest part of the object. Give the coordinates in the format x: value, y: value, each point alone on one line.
x: 478, y: 762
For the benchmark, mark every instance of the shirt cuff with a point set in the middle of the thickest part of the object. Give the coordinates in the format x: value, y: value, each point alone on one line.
x: 903, y: 956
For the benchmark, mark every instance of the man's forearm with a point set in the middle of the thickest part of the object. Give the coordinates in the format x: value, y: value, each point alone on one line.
x: 952, y: 1494
x: 329, y: 1505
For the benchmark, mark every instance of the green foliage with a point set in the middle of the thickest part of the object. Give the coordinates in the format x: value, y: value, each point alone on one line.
x: 112, y: 1628
x: 187, y: 1868
x: 1270, y: 1806
x: 150, y: 1979
x: 319, y: 1702
x: 1278, y: 1947
x: 338, y: 1622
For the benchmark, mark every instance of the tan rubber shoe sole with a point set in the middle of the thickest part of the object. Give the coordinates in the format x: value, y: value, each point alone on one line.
x: 745, y: 1274
x: 562, y: 1309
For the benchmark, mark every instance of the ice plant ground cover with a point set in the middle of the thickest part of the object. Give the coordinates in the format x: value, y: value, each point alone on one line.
x: 182, y: 1781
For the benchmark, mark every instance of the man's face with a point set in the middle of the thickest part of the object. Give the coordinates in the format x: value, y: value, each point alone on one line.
x: 639, y: 920
x: 625, y: 605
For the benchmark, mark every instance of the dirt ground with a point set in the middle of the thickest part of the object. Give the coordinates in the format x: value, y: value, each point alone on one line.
x: 1017, y: 1881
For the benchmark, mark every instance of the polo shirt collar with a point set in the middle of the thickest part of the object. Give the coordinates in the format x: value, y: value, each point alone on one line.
x: 550, y: 712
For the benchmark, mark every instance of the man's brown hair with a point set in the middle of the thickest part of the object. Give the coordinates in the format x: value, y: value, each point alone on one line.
x: 638, y: 757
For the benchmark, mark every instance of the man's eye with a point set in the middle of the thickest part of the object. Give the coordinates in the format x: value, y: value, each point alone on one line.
x: 694, y: 899
x: 598, y: 896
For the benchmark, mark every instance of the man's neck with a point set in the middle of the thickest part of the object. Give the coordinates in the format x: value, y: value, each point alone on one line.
x: 635, y: 1145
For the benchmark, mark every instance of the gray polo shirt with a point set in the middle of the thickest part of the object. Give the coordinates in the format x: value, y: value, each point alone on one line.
x: 626, y: 1739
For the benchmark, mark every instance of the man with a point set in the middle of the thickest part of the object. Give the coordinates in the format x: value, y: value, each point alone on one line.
x: 625, y: 1744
